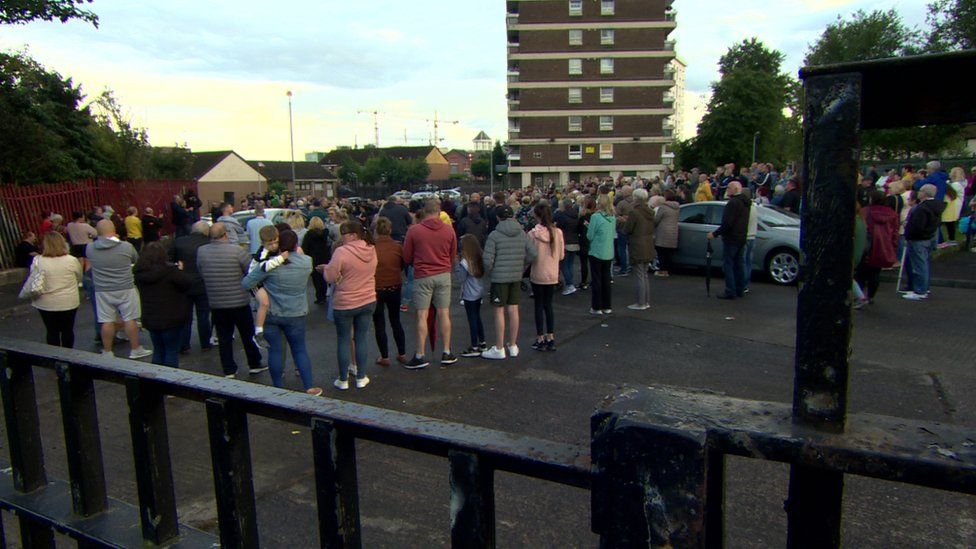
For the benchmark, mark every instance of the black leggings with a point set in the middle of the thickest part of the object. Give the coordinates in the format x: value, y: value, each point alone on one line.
x: 600, y: 292
x: 869, y: 278
x: 950, y: 229
x: 60, y: 327
x: 389, y: 300
x: 664, y: 257
x: 583, y: 254
x: 542, y: 294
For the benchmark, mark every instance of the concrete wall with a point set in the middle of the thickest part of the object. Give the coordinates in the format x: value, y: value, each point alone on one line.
x: 234, y: 175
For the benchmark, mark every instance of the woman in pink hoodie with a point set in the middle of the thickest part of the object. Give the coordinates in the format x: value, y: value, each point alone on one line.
x: 353, y: 271
x: 544, y: 275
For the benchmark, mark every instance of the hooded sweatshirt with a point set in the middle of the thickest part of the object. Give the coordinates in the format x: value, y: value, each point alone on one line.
x: 430, y: 247
x: 353, y: 271
x: 507, y: 252
x: 111, y: 264
x: 545, y: 268
x: 163, y: 293
x: 600, y: 232
x: 473, y: 224
x: 568, y: 222
x: 234, y: 229
x: 882, y: 227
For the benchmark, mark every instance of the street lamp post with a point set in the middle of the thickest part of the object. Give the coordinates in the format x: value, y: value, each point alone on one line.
x: 491, y: 167
x: 755, y: 136
x: 291, y: 138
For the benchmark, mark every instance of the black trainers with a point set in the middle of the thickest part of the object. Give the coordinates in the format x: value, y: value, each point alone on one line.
x: 539, y: 345
x: 260, y: 341
x: 470, y: 352
x: 416, y: 363
x: 551, y: 345
x: 448, y: 358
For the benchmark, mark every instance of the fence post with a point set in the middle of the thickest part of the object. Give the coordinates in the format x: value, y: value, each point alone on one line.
x: 472, y: 501
x: 82, y: 442
x: 649, y: 484
x: 831, y: 148
x: 336, y: 485
x: 230, y: 452
x: 24, y: 439
x: 154, y: 471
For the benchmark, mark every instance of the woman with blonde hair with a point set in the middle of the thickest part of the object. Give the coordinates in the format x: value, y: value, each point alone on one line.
x: 315, y: 244
x: 600, y: 232
x: 297, y: 223
x: 59, y: 301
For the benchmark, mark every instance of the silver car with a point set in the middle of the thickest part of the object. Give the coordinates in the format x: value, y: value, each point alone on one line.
x: 276, y: 215
x: 777, y: 248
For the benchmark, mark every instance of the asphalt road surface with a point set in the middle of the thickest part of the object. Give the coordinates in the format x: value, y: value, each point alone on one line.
x: 910, y: 359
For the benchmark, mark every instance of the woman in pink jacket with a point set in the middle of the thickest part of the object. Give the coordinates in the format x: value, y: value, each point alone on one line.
x: 548, y: 242
x: 353, y: 271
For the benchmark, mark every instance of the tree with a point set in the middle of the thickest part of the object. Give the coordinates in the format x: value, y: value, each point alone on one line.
x: 481, y: 167
x: 875, y: 35
x: 19, y: 12
x: 749, y: 98
x: 349, y: 171
x: 952, y: 25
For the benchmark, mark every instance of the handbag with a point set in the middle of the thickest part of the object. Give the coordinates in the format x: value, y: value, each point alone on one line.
x: 34, y: 285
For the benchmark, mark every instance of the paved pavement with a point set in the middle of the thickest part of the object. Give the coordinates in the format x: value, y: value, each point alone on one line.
x: 912, y: 360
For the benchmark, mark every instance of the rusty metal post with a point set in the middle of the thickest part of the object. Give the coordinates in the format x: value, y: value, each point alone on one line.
x: 831, y: 150
x: 230, y: 452
x: 154, y: 470
x: 336, y: 486
x: 472, y: 501
x: 24, y: 439
x: 82, y: 442
x: 649, y: 485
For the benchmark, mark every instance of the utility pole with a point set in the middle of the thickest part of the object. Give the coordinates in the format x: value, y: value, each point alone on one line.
x: 291, y: 138
x: 754, y: 138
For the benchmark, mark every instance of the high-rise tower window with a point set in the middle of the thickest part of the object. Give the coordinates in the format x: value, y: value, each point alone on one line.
x: 606, y: 66
x: 576, y: 66
x: 575, y: 37
x: 606, y: 7
x: 576, y: 7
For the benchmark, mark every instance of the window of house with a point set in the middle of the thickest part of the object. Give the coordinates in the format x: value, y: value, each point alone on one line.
x: 606, y: 95
x: 606, y: 123
x: 606, y: 66
x: 537, y: 155
x: 575, y: 37
x: 606, y: 37
x: 606, y: 151
x: 575, y: 66
x: 575, y: 95
x: 513, y: 125
x: 606, y: 7
x: 575, y: 123
x: 576, y: 152
x: 576, y: 7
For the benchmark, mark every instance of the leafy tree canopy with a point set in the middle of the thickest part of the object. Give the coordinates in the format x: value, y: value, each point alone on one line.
x: 19, y: 12
x: 952, y: 25
x: 864, y: 36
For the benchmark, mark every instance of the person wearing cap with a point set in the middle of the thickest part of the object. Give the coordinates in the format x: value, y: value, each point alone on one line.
x: 507, y: 252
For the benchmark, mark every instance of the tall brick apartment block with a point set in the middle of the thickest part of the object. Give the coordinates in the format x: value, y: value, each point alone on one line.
x: 590, y: 88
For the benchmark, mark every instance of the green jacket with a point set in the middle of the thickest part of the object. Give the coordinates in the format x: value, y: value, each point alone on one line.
x: 600, y: 233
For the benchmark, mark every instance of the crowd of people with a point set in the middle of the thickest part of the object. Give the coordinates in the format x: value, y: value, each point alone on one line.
x: 371, y: 261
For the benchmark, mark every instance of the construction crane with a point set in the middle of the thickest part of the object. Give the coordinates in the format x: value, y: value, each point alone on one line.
x: 376, y: 124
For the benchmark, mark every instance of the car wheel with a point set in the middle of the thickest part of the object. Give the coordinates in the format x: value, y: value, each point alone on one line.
x: 783, y: 266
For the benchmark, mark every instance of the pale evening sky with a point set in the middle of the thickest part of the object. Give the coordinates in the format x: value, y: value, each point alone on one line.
x: 214, y: 74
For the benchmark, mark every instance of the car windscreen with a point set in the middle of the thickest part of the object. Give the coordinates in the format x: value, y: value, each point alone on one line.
x: 778, y: 218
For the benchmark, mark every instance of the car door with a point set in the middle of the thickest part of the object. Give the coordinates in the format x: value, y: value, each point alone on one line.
x: 714, y: 217
x: 693, y: 225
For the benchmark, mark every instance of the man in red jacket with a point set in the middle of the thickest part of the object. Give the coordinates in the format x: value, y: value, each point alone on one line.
x: 431, y: 247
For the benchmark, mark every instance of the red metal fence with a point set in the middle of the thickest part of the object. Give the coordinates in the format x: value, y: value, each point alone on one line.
x: 21, y: 207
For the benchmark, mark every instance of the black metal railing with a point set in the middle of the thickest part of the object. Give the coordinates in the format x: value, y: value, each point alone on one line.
x: 81, y: 509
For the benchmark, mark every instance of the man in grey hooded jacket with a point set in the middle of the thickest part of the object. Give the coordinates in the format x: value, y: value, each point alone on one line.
x: 111, y: 259
x: 507, y: 252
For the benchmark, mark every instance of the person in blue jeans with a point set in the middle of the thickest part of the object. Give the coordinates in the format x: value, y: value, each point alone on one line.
x: 287, y: 288
x: 921, y: 232
x: 353, y: 271
x: 733, y: 230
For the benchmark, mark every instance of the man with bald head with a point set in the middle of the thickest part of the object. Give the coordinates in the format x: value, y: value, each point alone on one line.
x: 735, y: 224
x: 223, y: 264
x: 111, y: 259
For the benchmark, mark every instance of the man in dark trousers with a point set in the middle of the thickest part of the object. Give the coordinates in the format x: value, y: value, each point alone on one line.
x: 184, y: 249
x: 735, y: 223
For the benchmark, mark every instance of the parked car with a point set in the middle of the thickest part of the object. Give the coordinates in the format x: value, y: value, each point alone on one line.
x: 276, y: 215
x: 453, y: 194
x: 777, y: 248
x: 403, y: 195
x: 423, y: 195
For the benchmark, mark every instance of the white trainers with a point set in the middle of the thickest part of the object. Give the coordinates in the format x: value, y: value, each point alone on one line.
x: 513, y: 351
x: 914, y: 297
x: 638, y: 307
x: 141, y: 352
x: 607, y: 311
x: 597, y: 312
x: 494, y: 353
x: 353, y: 370
x: 341, y: 385
x: 362, y: 382
x: 569, y: 290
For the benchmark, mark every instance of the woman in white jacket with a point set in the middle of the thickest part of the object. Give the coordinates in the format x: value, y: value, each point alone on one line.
x: 59, y: 301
